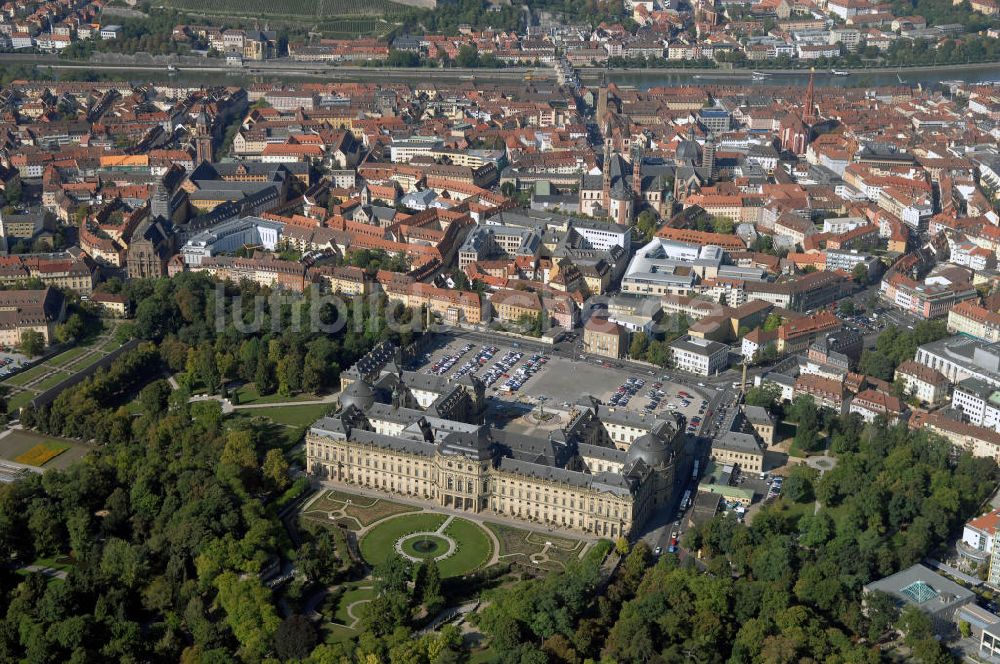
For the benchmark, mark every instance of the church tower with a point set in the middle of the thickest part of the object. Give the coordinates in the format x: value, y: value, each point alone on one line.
x: 637, y: 154
x: 606, y: 173
x: 708, y: 157
x: 602, y: 105
x: 808, y: 113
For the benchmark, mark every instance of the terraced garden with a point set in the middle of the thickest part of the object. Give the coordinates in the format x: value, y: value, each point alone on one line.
x: 542, y: 550
x: 353, y: 512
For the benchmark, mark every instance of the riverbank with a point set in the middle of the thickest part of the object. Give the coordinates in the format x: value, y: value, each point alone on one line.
x: 211, y: 71
x: 597, y: 72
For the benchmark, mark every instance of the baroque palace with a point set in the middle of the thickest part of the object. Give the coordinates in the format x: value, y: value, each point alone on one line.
x: 425, y: 437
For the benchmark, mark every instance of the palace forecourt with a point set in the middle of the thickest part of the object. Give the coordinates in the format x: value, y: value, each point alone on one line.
x: 426, y: 437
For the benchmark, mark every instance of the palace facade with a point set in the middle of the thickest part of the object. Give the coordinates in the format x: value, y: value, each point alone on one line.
x: 425, y: 437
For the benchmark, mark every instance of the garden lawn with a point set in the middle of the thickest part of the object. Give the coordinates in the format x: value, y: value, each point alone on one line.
x: 27, y: 376
x: 351, y: 596
x: 474, y: 549
x: 110, y: 345
x: 337, y: 633
x: 380, y: 541
x: 19, y: 400
x: 50, y: 382
x: 247, y: 394
x: 87, y: 361
x: 63, y: 359
x: 295, y: 416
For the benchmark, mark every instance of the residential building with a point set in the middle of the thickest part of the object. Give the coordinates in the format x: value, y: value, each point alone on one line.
x: 112, y: 305
x: 928, y: 385
x: 23, y: 310
x: 873, y: 403
x: 973, y: 319
x: 979, y: 534
x: 978, y: 401
x: 604, y: 337
x: 762, y: 422
x: 699, y: 356
x: 738, y: 449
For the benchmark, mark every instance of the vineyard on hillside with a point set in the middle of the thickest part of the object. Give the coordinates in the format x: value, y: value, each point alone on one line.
x: 289, y: 9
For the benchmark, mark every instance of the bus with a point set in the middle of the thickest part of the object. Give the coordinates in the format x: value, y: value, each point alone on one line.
x: 694, y: 471
x: 686, y: 500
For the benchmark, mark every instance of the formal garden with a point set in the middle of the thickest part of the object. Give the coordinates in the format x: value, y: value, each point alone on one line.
x: 458, y: 545
x: 528, y: 547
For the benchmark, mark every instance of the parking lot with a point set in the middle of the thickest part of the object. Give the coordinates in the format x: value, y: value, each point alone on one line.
x: 515, y: 374
x: 9, y: 361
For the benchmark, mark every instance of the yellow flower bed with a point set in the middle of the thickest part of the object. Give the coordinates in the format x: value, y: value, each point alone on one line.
x: 42, y: 453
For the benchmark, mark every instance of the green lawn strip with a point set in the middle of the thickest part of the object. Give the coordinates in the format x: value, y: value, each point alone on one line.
x: 110, y: 345
x: 86, y: 362
x: 484, y: 657
x: 51, y: 381
x: 377, y: 544
x: 474, y: 548
x: 29, y: 375
x: 63, y: 359
x: 247, y: 394
x: 793, y: 511
x: 295, y: 416
x: 355, y: 594
x: 19, y: 400
x: 338, y: 633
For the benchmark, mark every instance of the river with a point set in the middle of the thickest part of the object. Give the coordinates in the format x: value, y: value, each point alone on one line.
x: 926, y: 77
x: 640, y: 78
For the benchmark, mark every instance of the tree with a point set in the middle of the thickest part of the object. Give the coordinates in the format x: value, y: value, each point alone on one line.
x: 431, y: 595
x: 772, y: 323
x: 295, y: 637
x: 275, y: 469
x: 846, y: 308
x: 860, y: 273
x: 876, y: 364
x: 392, y: 575
x: 249, y: 613
x: 468, y: 56
x: 765, y: 396
x: 723, y: 225
x: 12, y: 191
x: 645, y: 225
x: 71, y: 330
x: 263, y: 377
x: 964, y: 628
x: 32, y: 343
x: 239, y: 451
x: 637, y: 349
x: 154, y: 397
x: 798, y: 486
